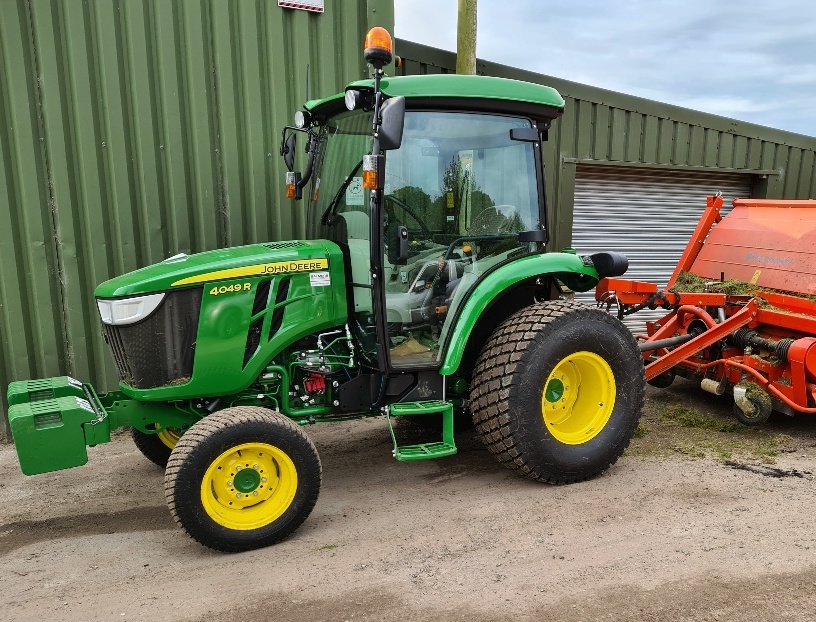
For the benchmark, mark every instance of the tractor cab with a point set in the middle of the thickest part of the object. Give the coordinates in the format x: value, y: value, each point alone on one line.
x: 455, y: 191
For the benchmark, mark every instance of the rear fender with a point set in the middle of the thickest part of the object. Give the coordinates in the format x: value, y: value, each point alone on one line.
x: 572, y: 270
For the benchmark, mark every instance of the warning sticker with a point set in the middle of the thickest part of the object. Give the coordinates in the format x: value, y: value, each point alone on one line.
x: 354, y: 192
x: 319, y: 279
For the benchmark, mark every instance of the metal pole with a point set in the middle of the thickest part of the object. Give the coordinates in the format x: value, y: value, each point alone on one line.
x: 466, y: 38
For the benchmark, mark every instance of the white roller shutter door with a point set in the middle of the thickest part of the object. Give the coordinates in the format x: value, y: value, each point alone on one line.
x: 648, y: 215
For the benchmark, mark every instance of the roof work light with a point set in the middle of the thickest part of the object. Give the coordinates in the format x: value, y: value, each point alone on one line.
x: 378, y: 48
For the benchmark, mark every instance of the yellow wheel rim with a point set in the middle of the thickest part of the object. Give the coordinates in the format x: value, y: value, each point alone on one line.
x: 578, y: 398
x: 249, y: 486
x: 169, y: 436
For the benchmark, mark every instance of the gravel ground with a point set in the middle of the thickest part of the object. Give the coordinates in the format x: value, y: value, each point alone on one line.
x: 699, y: 520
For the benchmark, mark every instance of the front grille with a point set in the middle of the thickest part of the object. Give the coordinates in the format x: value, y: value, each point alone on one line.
x: 159, y: 350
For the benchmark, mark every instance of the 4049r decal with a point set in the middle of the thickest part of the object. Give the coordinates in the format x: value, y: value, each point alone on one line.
x: 230, y: 289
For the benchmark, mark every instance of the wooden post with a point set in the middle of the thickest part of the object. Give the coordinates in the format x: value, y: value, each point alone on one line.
x: 466, y: 38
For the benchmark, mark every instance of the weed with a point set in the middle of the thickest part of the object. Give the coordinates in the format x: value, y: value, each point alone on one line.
x: 641, y: 430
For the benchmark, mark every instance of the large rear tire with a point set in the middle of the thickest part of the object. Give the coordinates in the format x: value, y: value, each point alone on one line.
x: 242, y: 478
x: 557, y: 391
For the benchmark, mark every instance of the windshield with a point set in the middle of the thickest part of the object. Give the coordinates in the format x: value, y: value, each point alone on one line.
x: 460, y: 174
x: 455, y: 174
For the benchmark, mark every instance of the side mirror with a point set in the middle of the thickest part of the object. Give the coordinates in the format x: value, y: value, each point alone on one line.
x: 392, y: 114
x: 288, y: 151
x: 294, y: 180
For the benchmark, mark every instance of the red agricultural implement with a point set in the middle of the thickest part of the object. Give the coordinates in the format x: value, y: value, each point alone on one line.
x: 750, y: 330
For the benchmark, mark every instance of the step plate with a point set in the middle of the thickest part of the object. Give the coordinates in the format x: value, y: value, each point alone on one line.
x: 424, y: 451
x: 429, y: 407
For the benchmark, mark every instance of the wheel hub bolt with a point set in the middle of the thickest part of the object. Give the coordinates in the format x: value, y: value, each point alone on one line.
x: 255, y: 466
x: 238, y: 496
x: 229, y: 482
x: 263, y: 479
x: 255, y: 493
x: 238, y: 468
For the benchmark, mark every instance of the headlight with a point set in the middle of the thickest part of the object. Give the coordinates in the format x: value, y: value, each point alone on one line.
x: 128, y: 310
x: 352, y: 97
x: 302, y: 119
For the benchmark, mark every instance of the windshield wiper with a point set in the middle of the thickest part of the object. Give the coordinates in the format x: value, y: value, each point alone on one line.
x: 327, y: 218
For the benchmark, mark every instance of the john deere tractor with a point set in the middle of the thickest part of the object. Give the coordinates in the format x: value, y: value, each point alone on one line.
x: 421, y: 288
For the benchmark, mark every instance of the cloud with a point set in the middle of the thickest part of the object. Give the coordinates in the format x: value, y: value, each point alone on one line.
x: 740, y: 59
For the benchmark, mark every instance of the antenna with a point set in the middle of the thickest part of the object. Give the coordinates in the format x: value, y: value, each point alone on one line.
x: 307, y: 82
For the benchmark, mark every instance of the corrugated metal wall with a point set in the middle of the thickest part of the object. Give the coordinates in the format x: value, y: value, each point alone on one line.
x: 654, y: 213
x: 131, y: 130
x: 604, y: 126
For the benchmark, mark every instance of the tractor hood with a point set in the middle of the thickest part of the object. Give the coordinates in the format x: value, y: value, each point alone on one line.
x: 230, y: 263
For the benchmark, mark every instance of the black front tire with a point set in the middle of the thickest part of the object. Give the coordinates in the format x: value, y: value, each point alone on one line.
x: 557, y: 391
x: 242, y: 478
x: 155, y: 447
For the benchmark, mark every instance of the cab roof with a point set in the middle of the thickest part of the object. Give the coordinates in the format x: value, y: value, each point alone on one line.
x: 451, y: 91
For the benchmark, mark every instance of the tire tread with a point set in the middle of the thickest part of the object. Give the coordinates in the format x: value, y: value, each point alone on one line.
x: 498, y: 371
x: 214, y: 424
x: 151, y: 447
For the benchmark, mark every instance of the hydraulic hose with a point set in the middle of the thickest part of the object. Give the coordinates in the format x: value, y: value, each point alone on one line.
x: 648, y: 346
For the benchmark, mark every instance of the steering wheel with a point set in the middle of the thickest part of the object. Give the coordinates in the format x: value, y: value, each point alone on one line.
x: 426, y: 230
x: 493, y: 221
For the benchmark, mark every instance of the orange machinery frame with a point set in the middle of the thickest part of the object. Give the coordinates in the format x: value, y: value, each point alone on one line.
x: 690, y: 324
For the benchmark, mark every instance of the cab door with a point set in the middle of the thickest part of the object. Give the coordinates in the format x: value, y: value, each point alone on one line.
x: 462, y: 189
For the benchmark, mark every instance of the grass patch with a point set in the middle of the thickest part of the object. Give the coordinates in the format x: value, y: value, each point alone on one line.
x: 671, y: 429
x: 690, y: 418
x: 328, y: 547
x: 689, y: 282
x: 689, y: 451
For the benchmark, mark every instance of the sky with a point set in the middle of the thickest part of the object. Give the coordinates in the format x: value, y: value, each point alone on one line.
x: 750, y: 60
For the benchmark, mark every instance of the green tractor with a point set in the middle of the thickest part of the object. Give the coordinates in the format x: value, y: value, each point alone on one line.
x: 421, y: 288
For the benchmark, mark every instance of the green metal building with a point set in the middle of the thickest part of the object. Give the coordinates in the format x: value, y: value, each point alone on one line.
x: 134, y: 130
